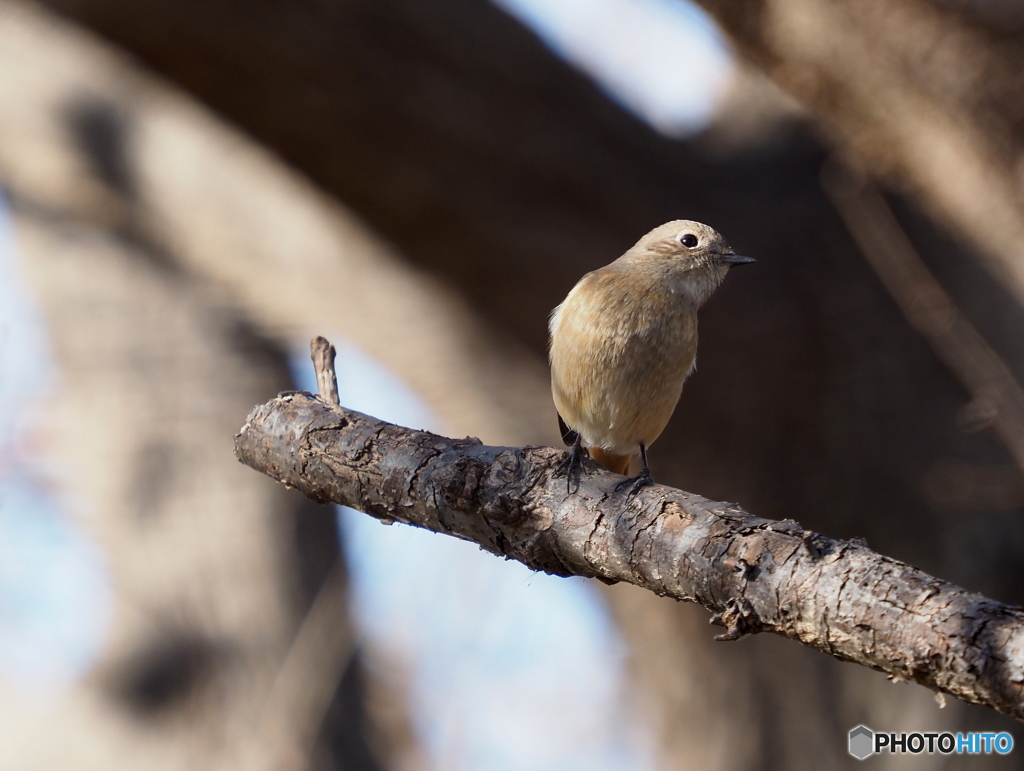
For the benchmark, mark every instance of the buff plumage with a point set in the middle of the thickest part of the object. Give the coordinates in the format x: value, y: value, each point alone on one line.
x: 625, y: 339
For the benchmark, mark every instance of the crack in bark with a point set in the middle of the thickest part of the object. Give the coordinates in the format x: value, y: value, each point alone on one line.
x: 640, y: 532
x: 420, y: 467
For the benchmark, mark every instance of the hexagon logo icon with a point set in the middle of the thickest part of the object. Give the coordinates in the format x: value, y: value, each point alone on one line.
x: 862, y: 740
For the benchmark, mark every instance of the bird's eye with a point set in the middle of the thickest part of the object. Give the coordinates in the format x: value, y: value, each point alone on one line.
x: 689, y: 240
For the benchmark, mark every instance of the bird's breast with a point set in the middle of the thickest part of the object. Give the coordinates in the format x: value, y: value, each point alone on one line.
x: 619, y: 356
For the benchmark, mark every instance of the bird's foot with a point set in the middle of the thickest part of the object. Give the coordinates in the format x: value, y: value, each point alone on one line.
x: 636, y: 484
x: 572, y: 467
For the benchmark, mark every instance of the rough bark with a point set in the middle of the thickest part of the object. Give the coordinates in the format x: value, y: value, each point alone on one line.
x: 757, y: 575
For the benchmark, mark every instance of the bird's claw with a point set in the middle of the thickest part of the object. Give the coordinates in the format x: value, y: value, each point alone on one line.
x: 637, y: 483
x: 572, y: 467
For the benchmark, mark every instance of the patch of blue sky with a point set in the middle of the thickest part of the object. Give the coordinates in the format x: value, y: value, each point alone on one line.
x: 25, y: 362
x: 509, y: 669
x: 55, y: 598
x: 663, y: 59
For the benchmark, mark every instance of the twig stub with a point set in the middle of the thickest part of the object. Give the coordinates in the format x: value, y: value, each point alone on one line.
x: 323, y: 354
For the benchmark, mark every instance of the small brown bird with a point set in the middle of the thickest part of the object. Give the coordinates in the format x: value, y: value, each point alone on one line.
x: 625, y: 339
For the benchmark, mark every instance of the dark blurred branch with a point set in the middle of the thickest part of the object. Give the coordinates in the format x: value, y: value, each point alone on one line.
x: 996, y: 394
x: 307, y: 680
x: 925, y: 94
x: 453, y: 131
x: 754, y: 574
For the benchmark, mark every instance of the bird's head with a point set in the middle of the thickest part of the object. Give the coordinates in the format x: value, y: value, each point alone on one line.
x: 690, y: 254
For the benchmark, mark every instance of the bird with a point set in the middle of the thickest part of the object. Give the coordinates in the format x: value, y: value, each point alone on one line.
x: 624, y: 340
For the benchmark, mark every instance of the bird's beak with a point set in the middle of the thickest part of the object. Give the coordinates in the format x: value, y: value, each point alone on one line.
x: 733, y: 259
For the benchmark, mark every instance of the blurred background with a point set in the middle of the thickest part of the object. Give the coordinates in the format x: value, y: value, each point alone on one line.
x: 191, y: 190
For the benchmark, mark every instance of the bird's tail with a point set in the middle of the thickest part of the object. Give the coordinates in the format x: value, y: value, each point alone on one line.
x: 620, y: 464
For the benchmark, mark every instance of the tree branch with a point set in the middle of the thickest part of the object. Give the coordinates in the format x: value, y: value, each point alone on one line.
x: 997, y: 397
x: 756, y: 575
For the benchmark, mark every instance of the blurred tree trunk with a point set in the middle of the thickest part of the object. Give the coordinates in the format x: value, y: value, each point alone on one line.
x: 214, y: 571
x: 501, y: 171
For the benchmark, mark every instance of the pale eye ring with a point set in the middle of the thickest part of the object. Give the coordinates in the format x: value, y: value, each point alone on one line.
x: 689, y: 240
